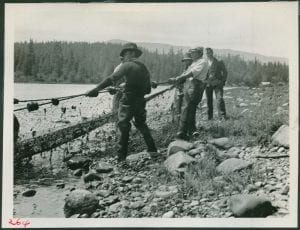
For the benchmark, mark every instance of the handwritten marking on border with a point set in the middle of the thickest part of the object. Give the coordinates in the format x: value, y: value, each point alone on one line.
x: 18, y: 222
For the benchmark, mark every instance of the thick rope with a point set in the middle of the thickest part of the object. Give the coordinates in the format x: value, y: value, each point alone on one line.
x: 41, y: 99
x: 38, y: 144
x: 55, y: 101
x: 16, y: 101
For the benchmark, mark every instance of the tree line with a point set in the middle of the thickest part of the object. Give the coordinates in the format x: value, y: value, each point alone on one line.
x: 83, y: 62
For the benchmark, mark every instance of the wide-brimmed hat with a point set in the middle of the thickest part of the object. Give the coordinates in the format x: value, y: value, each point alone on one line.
x: 131, y: 46
x: 197, y: 49
x: 187, y: 56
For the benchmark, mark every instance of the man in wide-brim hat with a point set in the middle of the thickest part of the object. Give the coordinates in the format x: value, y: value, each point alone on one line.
x: 131, y: 47
x: 187, y: 58
x: 132, y: 103
x: 118, y: 94
x: 194, y: 87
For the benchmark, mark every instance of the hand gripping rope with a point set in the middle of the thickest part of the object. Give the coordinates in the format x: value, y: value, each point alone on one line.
x: 33, y: 105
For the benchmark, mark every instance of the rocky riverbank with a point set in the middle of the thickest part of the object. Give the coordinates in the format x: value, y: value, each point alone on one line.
x: 208, y: 182
x: 164, y: 188
x: 135, y: 191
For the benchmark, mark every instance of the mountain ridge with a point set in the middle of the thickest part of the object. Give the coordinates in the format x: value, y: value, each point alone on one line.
x: 162, y: 47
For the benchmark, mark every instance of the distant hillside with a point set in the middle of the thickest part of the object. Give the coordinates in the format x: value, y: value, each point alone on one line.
x: 83, y: 62
x: 164, y: 48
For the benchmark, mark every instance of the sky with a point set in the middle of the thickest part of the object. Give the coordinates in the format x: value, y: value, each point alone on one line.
x: 264, y: 28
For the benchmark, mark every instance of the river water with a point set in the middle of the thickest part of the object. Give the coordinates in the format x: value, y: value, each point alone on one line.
x: 49, y: 117
x: 36, y: 91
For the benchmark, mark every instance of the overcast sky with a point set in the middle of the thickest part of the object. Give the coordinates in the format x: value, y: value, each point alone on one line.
x: 265, y: 28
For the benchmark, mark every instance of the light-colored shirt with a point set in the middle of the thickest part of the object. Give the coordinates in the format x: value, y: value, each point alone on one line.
x: 118, y: 83
x: 199, y: 69
x: 118, y: 67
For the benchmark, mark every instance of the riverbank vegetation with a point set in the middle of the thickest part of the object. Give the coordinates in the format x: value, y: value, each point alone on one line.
x: 82, y: 62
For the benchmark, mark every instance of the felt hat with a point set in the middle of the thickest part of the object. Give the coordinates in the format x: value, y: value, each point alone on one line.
x: 187, y: 56
x: 197, y: 49
x: 131, y: 46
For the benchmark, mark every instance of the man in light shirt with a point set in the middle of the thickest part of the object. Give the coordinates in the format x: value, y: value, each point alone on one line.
x: 194, y: 87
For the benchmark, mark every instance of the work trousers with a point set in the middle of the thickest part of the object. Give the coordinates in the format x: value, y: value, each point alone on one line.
x: 193, y: 93
x: 177, y: 103
x: 115, y: 107
x: 218, y: 89
x: 133, y: 107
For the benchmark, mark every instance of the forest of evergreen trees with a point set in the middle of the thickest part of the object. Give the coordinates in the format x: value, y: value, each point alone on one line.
x: 83, y: 62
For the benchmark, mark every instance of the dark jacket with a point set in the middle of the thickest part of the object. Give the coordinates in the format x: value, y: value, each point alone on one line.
x: 217, y: 73
x: 137, y: 78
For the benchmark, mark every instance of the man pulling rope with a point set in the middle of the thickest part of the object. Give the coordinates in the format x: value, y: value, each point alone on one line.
x: 132, y: 103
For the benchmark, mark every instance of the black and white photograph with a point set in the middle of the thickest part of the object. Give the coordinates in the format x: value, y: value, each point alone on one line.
x: 150, y: 115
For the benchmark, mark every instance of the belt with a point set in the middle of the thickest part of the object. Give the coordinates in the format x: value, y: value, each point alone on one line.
x: 130, y: 94
x: 194, y: 80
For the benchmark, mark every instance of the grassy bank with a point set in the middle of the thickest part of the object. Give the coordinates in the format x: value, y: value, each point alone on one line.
x: 253, y: 117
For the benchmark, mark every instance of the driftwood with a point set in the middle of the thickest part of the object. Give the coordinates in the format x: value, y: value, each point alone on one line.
x: 31, y: 146
x: 46, y: 142
x: 150, y: 97
x: 272, y: 156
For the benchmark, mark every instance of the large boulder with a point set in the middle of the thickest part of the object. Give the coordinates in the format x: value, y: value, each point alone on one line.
x: 91, y: 176
x: 80, y: 202
x: 230, y: 153
x: 78, y: 162
x: 222, y: 155
x: 111, y: 200
x: 233, y: 165
x: 179, y: 145
x: 223, y: 142
x: 234, y: 152
x: 281, y: 136
x: 178, y: 162
x: 138, y: 157
x: 29, y: 193
x: 77, y: 172
x: 115, y: 207
x: 168, y: 214
x: 199, y: 150
x: 250, y: 206
x: 166, y: 192
x: 103, y: 167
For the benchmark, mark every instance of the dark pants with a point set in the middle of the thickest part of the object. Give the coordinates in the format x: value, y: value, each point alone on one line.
x: 193, y: 92
x: 115, y: 107
x: 133, y: 107
x: 220, y: 101
x: 16, y: 128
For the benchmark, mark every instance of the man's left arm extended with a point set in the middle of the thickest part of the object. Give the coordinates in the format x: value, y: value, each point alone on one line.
x: 194, y: 71
x: 181, y: 78
x: 107, y: 82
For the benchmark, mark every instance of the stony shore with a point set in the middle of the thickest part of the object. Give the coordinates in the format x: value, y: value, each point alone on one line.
x: 145, y: 187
